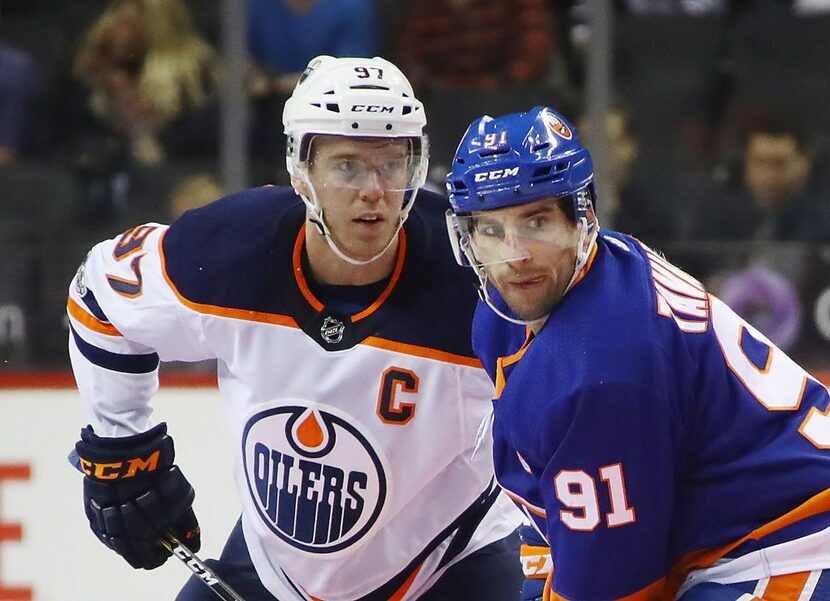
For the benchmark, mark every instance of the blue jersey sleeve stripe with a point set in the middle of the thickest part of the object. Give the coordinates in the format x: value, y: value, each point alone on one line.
x: 131, y: 364
x: 92, y: 304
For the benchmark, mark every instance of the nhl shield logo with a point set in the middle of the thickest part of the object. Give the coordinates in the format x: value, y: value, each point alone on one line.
x: 332, y: 330
x: 315, y: 477
x: 80, y: 283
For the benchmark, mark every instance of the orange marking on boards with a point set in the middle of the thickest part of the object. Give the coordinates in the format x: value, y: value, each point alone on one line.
x: 13, y: 532
x: 785, y: 587
x: 309, y: 432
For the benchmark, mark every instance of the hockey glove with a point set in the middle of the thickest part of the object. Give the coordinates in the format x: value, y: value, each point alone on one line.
x: 536, y: 563
x: 133, y: 495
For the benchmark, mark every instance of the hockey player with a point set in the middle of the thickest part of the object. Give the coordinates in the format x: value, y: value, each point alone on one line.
x: 340, y: 336
x: 660, y: 445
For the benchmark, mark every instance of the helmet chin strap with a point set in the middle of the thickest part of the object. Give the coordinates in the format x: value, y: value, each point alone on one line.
x: 583, y: 250
x: 316, y: 211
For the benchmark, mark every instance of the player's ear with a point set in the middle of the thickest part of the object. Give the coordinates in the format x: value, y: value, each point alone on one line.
x: 300, y: 187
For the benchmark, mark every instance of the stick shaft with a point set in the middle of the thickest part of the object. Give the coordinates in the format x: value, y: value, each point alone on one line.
x: 198, y: 567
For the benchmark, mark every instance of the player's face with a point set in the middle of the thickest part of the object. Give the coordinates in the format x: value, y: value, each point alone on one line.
x: 529, y: 252
x: 776, y: 168
x: 360, y: 184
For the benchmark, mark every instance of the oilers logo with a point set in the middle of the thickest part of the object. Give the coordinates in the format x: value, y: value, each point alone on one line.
x: 315, y: 479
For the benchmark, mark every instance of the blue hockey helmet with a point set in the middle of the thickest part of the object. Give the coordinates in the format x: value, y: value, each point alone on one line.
x: 517, y: 159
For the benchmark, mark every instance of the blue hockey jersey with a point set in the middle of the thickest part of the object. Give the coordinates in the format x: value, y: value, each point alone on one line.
x: 654, y: 438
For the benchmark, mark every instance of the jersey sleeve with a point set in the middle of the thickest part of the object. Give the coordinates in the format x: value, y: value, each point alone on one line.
x: 608, y: 491
x: 124, y: 317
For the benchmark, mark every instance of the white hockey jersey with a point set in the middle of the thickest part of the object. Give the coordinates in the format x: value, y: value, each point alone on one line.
x: 355, y: 433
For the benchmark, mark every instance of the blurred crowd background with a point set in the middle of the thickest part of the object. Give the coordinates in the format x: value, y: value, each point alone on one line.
x: 712, y: 135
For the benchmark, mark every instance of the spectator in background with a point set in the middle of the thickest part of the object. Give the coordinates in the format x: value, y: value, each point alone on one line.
x: 811, y: 7
x: 283, y: 36
x: 665, y: 7
x: 192, y: 192
x: 19, y: 87
x: 638, y: 201
x: 482, y: 44
x: 624, y: 148
x: 151, y: 79
x: 776, y: 196
x: 471, y: 57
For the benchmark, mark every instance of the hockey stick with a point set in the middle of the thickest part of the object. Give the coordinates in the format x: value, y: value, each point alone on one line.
x: 198, y: 567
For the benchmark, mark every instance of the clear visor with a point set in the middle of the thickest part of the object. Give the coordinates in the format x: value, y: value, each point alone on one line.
x: 388, y: 165
x: 507, y: 235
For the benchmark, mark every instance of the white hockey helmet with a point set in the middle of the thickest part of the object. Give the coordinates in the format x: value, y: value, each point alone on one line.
x: 354, y: 97
x: 365, y: 97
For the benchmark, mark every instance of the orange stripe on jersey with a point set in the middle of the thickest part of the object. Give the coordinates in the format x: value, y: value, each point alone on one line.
x: 90, y: 321
x: 420, y: 351
x: 704, y: 558
x: 504, y: 362
x: 296, y: 261
x: 586, y: 267
x: 653, y: 592
x: 520, y: 501
x: 786, y: 587
x: 273, y: 318
x: 397, y: 596
x: 406, y: 585
x: 396, y: 275
x: 312, y: 300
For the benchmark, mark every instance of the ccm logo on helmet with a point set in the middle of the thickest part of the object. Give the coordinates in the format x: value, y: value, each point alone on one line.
x: 372, y: 108
x: 496, y: 174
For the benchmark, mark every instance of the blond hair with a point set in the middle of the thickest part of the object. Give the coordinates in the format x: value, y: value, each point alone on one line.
x: 179, y: 67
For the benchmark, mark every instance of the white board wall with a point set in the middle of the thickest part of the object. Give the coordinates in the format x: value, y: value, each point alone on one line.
x: 58, y: 557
